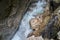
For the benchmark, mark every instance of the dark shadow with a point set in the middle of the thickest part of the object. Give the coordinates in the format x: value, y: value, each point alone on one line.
x: 53, y: 5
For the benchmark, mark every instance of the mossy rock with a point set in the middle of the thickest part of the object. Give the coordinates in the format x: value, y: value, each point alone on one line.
x: 57, y: 1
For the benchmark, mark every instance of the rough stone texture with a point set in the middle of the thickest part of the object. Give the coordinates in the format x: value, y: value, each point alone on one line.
x: 57, y: 1
x: 39, y: 22
x: 9, y: 25
x: 35, y: 38
x: 11, y: 13
x: 54, y: 28
x: 5, y: 8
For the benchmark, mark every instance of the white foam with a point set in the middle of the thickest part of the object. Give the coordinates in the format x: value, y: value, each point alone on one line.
x: 24, y: 29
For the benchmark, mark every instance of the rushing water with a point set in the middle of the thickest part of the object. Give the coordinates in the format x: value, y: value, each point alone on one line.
x: 24, y: 28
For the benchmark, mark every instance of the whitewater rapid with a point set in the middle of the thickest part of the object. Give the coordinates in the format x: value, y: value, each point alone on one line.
x: 24, y: 27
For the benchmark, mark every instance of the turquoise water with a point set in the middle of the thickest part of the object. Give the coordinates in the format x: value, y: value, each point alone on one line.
x: 24, y: 28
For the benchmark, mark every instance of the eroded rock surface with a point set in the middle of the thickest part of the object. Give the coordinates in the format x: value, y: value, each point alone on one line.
x: 39, y: 22
x: 45, y: 21
x: 10, y: 20
x: 9, y: 25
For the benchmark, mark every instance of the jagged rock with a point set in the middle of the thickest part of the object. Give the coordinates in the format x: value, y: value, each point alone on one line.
x: 45, y: 20
x: 57, y: 12
x: 54, y: 4
x: 54, y: 27
x: 39, y: 22
x: 57, y: 1
x: 9, y: 25
x: 35, y: 38
x: 58, y: 35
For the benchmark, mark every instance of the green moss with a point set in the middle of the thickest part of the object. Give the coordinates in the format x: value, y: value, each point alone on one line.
x: 57, y: 1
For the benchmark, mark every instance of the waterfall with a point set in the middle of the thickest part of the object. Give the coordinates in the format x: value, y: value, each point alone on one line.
x: 24, y: 27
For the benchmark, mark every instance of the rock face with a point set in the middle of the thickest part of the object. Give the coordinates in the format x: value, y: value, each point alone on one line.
x: 48, y: 25
x: 57, y: 1
x: 10, y: 17
x: 11, y: 13
x: 39, y: 22
x: 5, y: 7
x: 35, y: 38
x: 54, y: 4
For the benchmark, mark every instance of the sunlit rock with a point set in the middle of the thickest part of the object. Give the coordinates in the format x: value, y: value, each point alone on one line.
x: 42, y: 21
x: 39, y: 22
x: 58, y: 35
x: 35, y: 38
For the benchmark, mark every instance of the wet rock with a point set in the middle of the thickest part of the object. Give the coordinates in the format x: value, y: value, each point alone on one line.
x: 55, y: 27
x: 39, y: 22
x: 35, y: 38
x: 46, y: 17
x: 9, y: 25
x: 36, y: 22
x: 57, y: 1
x: 58, y: 35
x: 54, y: 4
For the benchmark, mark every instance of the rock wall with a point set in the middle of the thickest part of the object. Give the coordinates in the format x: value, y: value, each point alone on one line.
x: 11, y: 12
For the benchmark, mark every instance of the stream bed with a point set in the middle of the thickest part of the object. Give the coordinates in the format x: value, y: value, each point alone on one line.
x: 24, y: 27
